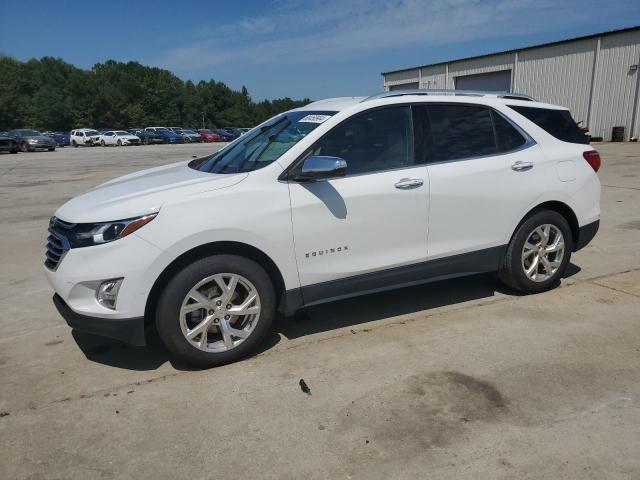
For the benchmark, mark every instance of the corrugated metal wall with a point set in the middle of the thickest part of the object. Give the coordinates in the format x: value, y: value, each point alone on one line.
x: 615, y: 83
x: 558, y: 74
x: 590, y: 76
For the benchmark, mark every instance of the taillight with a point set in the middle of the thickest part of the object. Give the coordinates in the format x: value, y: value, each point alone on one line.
x: 593, y: 158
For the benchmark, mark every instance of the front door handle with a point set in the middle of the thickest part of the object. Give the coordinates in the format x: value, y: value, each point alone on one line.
x: 409, y: 183
x: 521, y: 166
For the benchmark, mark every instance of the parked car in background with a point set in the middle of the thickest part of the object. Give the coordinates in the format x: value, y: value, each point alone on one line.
x: 31, y: 140
x: 85, y: 136
x: 190, y: 136
x: 209, y: 135
x: 224, y: 135
x: 235, y: 132
x: 62, y: 139
x: 146, y: 137
x: 119, y: 138
x: 168, y: 136
x: 8, y: 143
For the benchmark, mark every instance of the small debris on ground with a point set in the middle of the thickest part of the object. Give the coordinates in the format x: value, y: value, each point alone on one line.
x: 4, y: 414
x: 304, y: 387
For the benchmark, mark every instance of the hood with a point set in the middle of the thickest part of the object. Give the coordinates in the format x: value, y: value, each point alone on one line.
x: 142, y: 193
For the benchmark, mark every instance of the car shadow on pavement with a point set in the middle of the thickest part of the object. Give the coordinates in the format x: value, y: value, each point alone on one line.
x: 321, y: 318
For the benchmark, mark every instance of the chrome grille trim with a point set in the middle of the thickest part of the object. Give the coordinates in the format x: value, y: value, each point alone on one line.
x: 57, y: 242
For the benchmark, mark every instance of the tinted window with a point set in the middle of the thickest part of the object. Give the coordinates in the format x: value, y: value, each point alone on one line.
x: 461, y: 131
x: 507, y: 136
x: 557, y: 123
x: 372, y: 141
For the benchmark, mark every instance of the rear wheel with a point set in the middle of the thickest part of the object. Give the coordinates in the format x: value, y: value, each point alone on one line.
x: 102, y: 143
x: 74, y: 143
x: 216, y: 310
x: 538, y: 253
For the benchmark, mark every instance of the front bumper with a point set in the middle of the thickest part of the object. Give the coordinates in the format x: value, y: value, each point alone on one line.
x: 81, y: 270
x: 128, y: 330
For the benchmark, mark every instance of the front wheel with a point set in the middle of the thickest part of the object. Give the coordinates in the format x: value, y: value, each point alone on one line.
x: 24, y: 147
x: 119, y: 143
x: 538, y: 253
x: 216, y: 310
x: 52, y: 149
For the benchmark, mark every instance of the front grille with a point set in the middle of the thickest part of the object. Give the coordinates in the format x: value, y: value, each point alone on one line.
x: 57, y: 242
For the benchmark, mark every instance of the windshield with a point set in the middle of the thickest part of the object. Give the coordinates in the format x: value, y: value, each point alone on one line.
x: 29, y: 133
x: 122, y: 133
x: 189, y: 132
x: 92, y: 132
x: 264, y: 144
x: 163, y: 129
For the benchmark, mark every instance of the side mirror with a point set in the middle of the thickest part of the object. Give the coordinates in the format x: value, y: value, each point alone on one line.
x: 318, y: 167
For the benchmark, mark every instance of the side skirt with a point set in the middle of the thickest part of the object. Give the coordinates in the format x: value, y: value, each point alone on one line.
x: 486, y: 260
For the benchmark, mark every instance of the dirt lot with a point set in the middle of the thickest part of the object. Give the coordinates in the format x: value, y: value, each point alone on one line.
x: 461, y: 379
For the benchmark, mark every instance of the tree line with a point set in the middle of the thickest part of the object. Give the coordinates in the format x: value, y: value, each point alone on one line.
x: 50, y: 94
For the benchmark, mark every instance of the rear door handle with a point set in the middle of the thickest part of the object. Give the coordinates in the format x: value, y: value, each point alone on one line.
x: 522, y: 166
x: 409, y: 183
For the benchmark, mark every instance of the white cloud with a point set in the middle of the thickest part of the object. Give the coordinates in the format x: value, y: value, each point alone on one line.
x: 298, y: 33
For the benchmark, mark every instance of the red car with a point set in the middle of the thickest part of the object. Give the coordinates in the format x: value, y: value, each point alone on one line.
x: 209, y: 136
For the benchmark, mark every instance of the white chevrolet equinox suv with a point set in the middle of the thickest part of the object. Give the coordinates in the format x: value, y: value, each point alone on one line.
x: 339, y: 198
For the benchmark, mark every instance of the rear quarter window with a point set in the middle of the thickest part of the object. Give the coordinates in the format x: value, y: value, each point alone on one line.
x: 557, y: 123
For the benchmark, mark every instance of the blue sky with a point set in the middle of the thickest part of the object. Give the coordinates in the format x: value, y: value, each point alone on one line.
x: 314, y: 48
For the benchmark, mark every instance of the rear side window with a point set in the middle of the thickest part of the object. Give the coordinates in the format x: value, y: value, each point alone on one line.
x: 557, y: 123
x: 461, y: 131
x: 507, y: 137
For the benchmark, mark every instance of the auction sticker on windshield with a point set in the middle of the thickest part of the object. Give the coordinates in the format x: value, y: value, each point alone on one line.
x: 314, y: 118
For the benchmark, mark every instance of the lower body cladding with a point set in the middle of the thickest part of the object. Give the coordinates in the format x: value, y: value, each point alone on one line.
x: 82, y: 271
x: 137, y: 264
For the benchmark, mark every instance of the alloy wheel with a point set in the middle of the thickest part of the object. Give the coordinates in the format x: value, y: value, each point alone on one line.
x: 220, y: 312
x: 543, y: 252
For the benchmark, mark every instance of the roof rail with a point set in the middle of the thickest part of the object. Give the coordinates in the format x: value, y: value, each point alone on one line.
x: 434, y: 91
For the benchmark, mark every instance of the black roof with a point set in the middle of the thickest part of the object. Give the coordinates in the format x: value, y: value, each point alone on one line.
x: 558, y: 42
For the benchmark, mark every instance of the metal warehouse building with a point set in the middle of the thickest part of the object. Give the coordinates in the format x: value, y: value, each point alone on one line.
x: 595, y: 76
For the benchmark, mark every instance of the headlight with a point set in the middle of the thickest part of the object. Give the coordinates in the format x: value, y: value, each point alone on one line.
x: 32, y: 141
x: 88, y: 234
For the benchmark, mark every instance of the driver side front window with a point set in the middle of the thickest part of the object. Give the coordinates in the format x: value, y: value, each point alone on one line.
x: 372, y: 141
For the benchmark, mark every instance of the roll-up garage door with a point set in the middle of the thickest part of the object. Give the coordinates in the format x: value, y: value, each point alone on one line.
x: 493, y: 81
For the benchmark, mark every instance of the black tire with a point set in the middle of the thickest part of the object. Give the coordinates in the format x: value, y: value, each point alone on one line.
x: 74, y: 144
x: 512, y: 272
x: 24, y: 147
x: 14, y: 150
x: 102, y: 143
x: 146, y: 141
x: 170, y: 302
x: 52, y: 149
x: 119, y: 143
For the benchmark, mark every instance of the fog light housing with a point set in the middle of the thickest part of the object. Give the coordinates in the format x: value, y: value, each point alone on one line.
x: 107, y: 293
